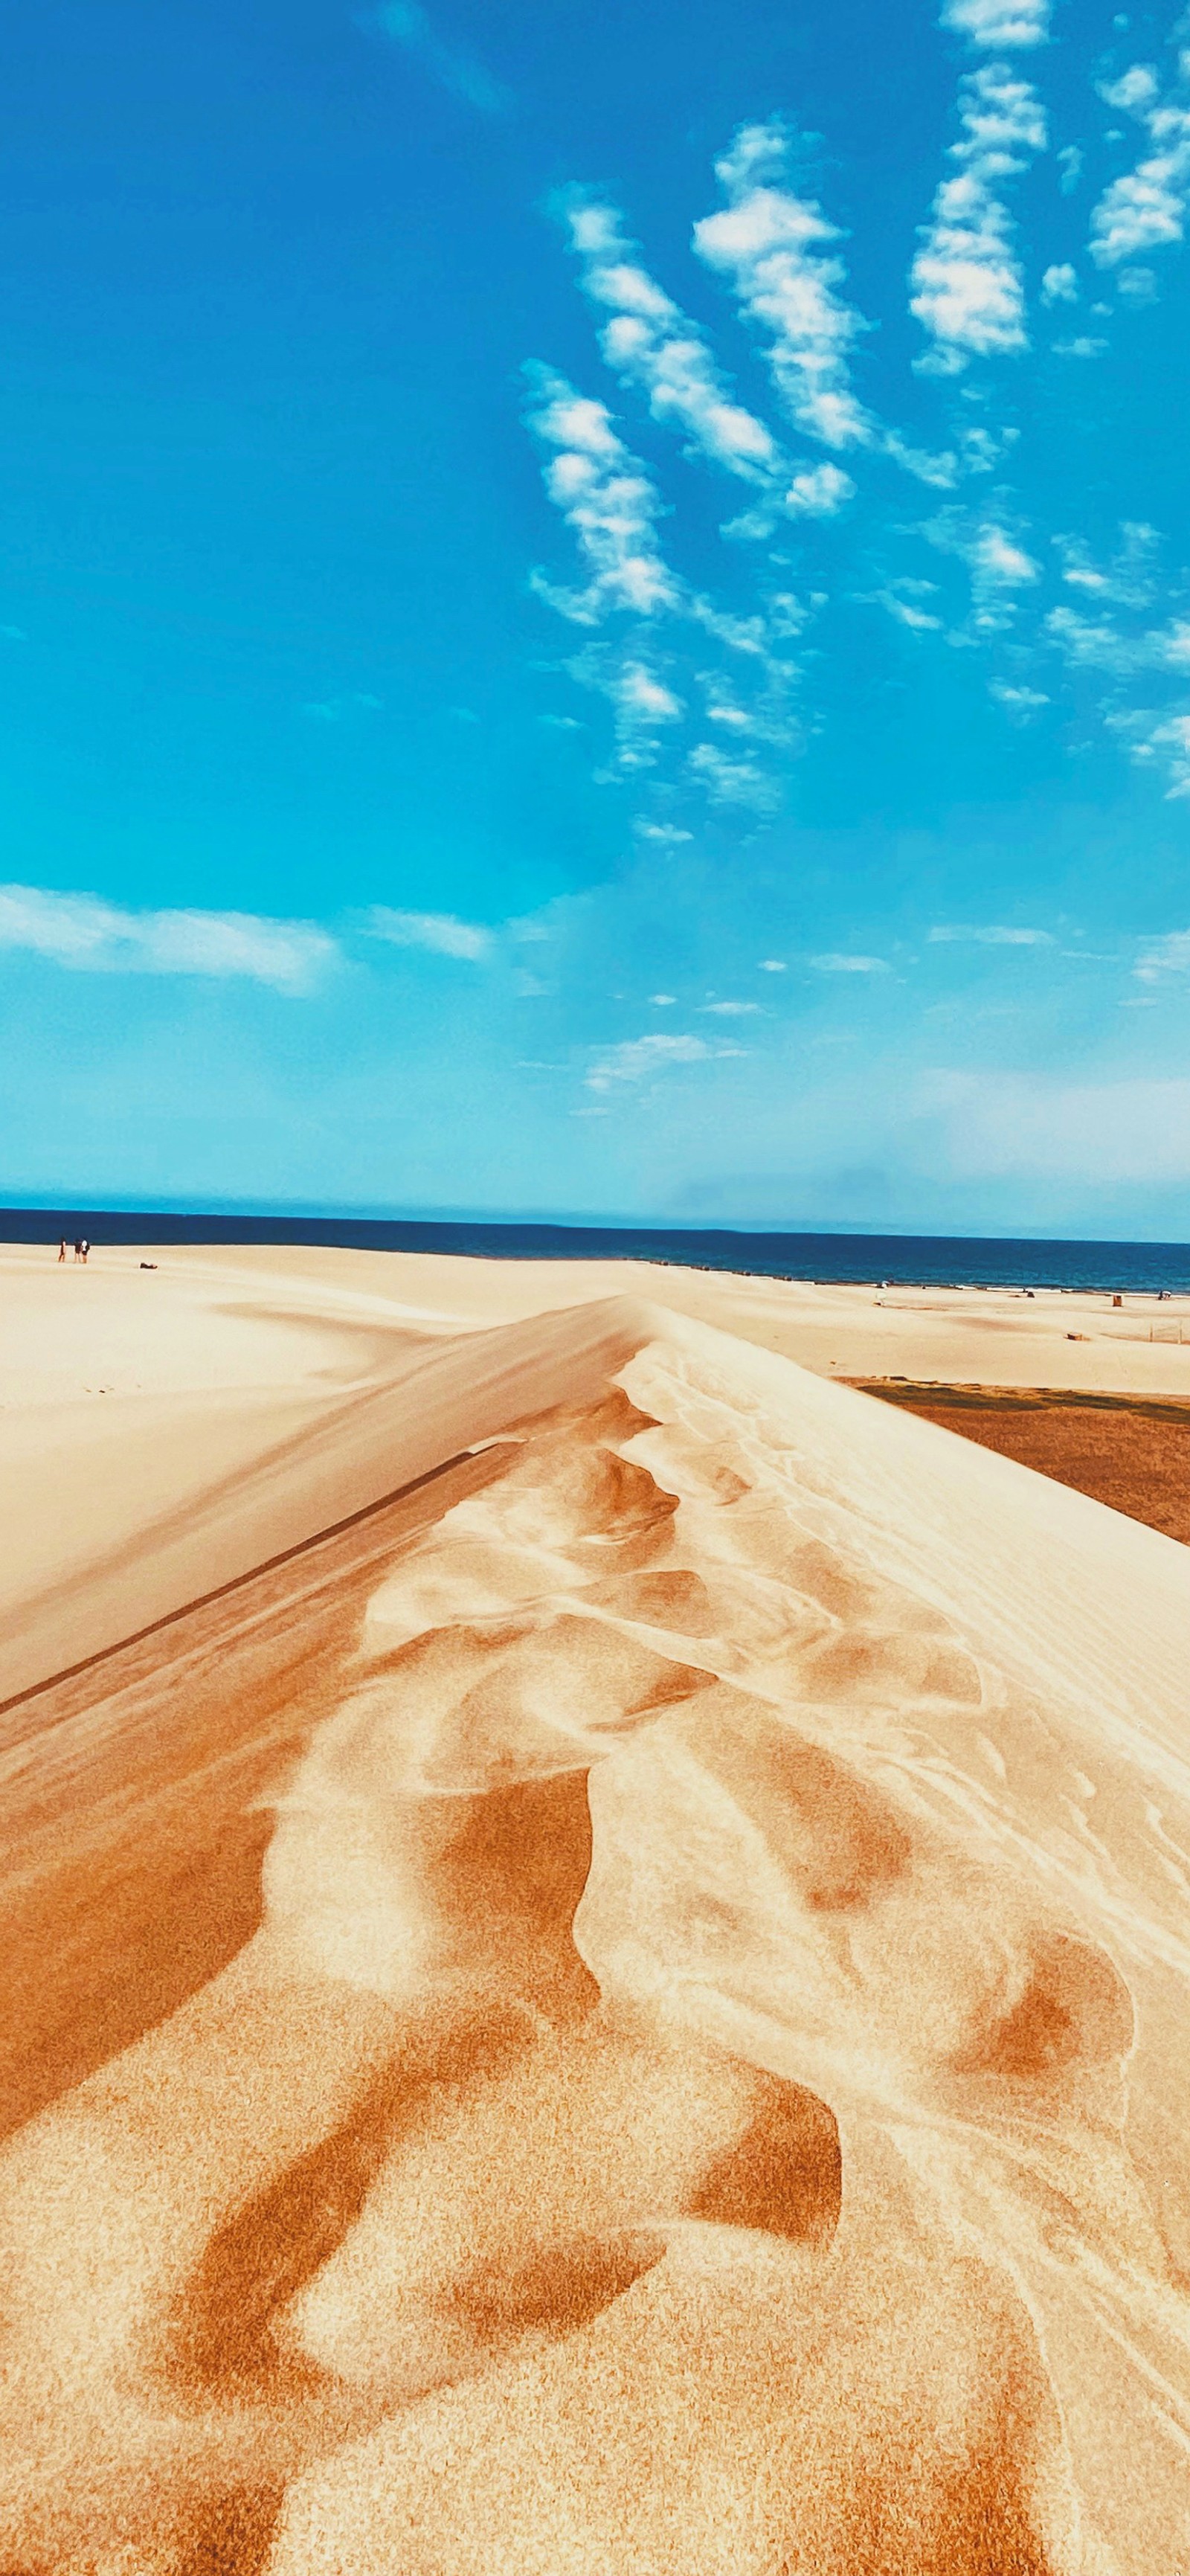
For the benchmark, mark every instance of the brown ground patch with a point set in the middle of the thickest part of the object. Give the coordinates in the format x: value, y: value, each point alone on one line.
x: 1132, y: 1452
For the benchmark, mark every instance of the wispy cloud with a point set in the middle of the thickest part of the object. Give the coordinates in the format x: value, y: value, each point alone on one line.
x: 634, y: 1059
x: 732, y: 1010
x: 907, y: 610
x: 441, y: 933
x: 85, y: 932
x: 1167, y: 955
x: 999, y: 564
x: 990, y: 935
x: 1019, y: 701
x: 457, y: 69
x: 839, y: 962
x: 1126, y: 580
x: 643, y: 704
x: 651, y: 344
x: 607, y: 498
x: 733, y: 782
x: 1169, y: 742
x: 1145, y: 209
x: 967, y: 288
x: 999, y: 24
x: 334, y: 710
x: 776, y: 250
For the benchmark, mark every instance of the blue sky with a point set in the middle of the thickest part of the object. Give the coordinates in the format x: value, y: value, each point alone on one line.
x: 595, y: 613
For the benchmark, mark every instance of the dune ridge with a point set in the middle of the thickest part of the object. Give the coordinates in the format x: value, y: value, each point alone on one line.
x: 700, y: 2086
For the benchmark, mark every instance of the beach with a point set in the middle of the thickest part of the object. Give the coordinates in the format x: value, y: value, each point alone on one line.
x: 595, y: 1899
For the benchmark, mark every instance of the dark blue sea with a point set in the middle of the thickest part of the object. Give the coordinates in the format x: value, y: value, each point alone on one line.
x: 907, y: 1260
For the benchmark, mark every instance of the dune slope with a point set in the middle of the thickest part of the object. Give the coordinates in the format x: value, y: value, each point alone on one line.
x: 626, y: 2012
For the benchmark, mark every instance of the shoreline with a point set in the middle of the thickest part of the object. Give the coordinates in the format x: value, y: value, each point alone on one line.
x: 1042, y: 1266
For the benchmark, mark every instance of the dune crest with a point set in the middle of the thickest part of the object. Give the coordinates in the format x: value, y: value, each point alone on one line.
x: 705, y: 2089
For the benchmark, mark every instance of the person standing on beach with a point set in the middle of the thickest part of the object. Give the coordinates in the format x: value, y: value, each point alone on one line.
x: 84, y: 1248
x: 62, y: 1249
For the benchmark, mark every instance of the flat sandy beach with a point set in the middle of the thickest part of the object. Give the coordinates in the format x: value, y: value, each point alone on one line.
x: 596, y: 1919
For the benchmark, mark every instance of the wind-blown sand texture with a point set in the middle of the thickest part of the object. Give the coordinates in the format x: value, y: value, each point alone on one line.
x: 606, y: 1987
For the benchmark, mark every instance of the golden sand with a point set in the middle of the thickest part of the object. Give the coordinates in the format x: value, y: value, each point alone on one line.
x: 597, y: 1944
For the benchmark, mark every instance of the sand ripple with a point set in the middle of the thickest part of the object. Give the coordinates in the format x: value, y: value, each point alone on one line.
x: 699, y: 2091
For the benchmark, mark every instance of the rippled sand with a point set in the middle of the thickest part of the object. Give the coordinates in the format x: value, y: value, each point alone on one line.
x: 624, y: 2010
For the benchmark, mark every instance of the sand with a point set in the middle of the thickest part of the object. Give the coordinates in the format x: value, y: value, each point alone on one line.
x: 1130, y: 1451
x: 597, y: 1934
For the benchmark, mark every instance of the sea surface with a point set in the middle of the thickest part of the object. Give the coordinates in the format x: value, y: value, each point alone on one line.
x: 901, y: 1260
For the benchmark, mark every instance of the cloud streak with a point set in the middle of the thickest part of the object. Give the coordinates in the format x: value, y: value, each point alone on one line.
x: 454, y: 67
x: 83, y: 932
x: 988, y: 935
x: 635, y: 1059
x: 441, y: 934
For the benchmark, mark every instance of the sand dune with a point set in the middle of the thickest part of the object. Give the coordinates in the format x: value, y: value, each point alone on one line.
x: 624, y: 2010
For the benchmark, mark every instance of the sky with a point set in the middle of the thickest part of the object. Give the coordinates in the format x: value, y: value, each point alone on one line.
x: 595, y: 611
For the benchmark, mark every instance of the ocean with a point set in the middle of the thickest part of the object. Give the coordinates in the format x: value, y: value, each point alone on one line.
x: 904, y: 1260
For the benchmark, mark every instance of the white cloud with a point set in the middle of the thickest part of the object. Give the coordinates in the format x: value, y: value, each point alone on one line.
x: 819, y: 491
x: 634, y: 1059
x: 1145, y: 209
x: 837, y: 963
x: 1136, y: 92
x: 439, y: 932
x: 1060, y: 284
x: 1093, y: 642
x: 773, y: 966
x: 994, y: 935
x: 1127, y: 580
x: 920, y: 621
x: 668, y: 834
x: 775, y: 249
x: 605, y: 495
x: 1170, y: 742
x: 1070, y: 168
x: 1167, y: 955
x: 1018, y: 700
x: 732, y: 782
x: 732, y: 1010
x: 966, y: 278
x: 663, y: 1001
x: 83, y: 931
x: 1084, y: 346
x: 650, y: 343
x: 1001, y: 562
x: 406, y: 24
x: 999, y: 23
x: 940, y: 472
x: 998, y: 563
x: 643, y: 705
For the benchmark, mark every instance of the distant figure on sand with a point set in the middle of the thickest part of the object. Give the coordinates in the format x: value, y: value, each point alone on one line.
x: 62, y: 1249
x: 81, y: 1250
x: 84, y: 1248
